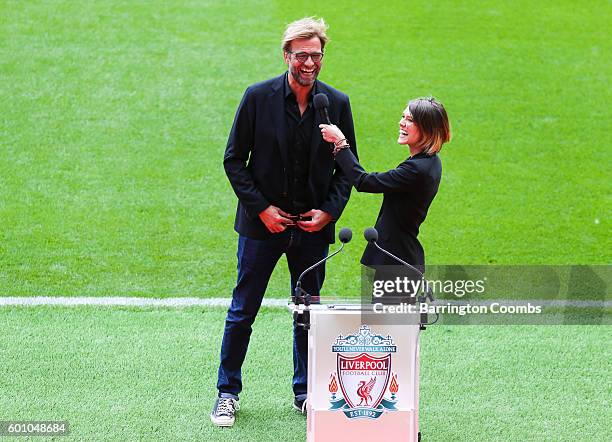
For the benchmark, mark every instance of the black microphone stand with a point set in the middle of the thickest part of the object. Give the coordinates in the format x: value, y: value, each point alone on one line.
x: 301, y: 317
x: 302, y: 297
x: 427, y: 290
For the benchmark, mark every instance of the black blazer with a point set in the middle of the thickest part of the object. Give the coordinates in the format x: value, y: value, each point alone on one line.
x: 408, y: 192
x: 255, y: 159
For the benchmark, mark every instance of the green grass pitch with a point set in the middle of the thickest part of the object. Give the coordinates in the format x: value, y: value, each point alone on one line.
x: 113, y: 122
x: 115, y: 116
x: 125, y: 374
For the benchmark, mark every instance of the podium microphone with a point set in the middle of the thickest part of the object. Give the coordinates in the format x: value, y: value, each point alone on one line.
x: 300, y: 296
x: 321, y: 103
x: 371, y: 235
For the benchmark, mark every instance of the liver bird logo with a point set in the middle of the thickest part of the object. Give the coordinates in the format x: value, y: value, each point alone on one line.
x: 363, y: 379
x: 363, y: 391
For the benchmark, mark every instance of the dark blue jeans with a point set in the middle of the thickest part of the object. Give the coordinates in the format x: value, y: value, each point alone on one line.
x: 256, y: 261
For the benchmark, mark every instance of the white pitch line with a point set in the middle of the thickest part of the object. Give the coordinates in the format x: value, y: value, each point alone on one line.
x: 113, y: 301
x: 542, y: 302
x: 118, y: 301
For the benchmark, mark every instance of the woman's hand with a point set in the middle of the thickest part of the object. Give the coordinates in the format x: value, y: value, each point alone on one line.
x: 331, y: 133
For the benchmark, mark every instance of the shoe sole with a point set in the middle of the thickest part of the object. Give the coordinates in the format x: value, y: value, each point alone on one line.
x: 222, y: 422
x: 295, y: 407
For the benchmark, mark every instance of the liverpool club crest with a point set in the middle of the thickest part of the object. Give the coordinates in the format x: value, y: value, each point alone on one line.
x: 363, y: 372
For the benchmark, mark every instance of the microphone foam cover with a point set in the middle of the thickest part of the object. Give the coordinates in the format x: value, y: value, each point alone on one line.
x: 320, y: 101
x: 370, y: 234
x: 345, y: 235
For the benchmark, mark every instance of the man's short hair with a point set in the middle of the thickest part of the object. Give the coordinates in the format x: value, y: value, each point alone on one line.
x: 306, y: 27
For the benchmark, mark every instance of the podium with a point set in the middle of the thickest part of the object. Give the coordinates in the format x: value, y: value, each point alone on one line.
x: 363, y: 380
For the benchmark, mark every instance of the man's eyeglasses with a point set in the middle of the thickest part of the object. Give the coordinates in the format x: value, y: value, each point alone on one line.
x: 303, y: 56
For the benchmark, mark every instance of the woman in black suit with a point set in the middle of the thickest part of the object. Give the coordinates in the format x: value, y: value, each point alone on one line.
x: 408, y: 189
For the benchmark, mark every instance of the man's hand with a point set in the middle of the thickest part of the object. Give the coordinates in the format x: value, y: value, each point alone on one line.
x: 319, y: 220
x: 275, y: 219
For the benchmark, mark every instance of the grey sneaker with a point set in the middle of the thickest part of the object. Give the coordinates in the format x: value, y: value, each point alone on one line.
x: 300, y: 405
x: 223, y: 413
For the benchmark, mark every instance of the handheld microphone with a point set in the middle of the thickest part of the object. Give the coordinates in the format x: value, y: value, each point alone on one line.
x: 300, y: 296
x: 321, y: 103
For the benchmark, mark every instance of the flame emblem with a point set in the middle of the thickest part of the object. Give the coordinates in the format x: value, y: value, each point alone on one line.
x: 333, y: 387
x: 394, y: 387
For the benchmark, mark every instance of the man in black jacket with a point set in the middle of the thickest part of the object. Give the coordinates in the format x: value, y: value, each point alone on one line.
x: 290, y: 194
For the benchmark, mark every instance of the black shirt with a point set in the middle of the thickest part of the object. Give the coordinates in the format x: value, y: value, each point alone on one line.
x: 299, y: 138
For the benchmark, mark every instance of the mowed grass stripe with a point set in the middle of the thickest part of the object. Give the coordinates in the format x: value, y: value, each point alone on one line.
x: 125, y: 374
x: 115, y: 118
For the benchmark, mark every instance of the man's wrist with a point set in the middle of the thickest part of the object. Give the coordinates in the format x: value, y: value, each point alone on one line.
x: 328, y: 215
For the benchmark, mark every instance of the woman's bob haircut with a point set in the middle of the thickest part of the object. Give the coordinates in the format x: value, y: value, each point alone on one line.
x: 430, y: 117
